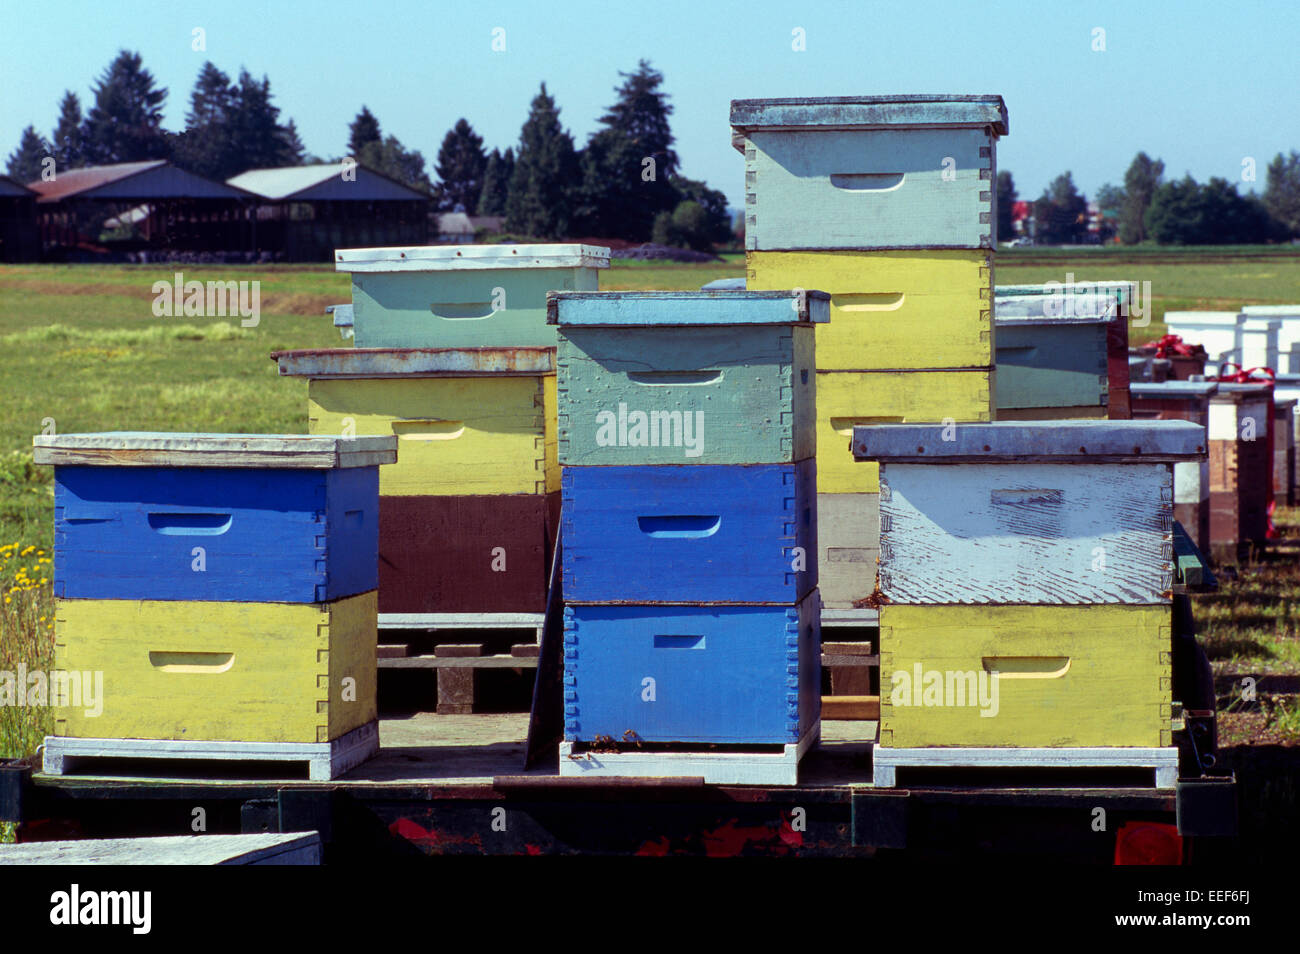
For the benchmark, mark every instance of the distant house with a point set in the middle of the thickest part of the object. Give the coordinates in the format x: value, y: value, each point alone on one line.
x: 489, y: 223
x: 455, y: 228
x: 304, y: 213
x: 19, y: 239
x: 168, y: 208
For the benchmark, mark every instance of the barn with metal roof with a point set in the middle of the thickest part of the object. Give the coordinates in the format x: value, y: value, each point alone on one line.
x: 308, y: 211
x: 184, y: 211
x: 19, y: 240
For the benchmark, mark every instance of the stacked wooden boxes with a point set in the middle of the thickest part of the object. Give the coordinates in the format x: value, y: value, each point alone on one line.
x: 1241, y: 468
x: 687, y: 438
x: 1114, y: 302
x: 1183, y: 401
x: 1221, y: 333
x: 1284, y: 412
x: 887, y: 203
x: 1051, y: 366
x: 454, y: 356
x: 1026, y: 576
x: 224, y: 588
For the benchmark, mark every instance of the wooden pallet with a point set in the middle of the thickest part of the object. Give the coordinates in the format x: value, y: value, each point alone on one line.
x: 850, y: 665
x: 1163, y: 761
x: 295, y: 848
x: 326, y: 760
x: 727, y: 765
x: 456, y: 664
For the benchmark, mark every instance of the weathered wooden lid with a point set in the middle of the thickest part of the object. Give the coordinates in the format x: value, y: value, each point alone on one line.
x: 663, y: 308
x: 870, y: 112
x: 414, y: 362
x: 1230, y: 390
x: 1031, y: 441
x: 165, y: 449
x: 1173, y: 389
x: 443, y: 258
x: 1051, y: 310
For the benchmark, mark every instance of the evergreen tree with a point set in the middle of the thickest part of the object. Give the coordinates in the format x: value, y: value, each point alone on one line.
x: 69, y: 150
x: 363, y: 131
x: 496, y: 183
x: 1282, y: 194
x: 292, y: 149
x: 208, y: 146
x: 460, y: 167
x: 1007, y: 198
x: 125, y: 124
x: 255, y: 126
x: 25, y: 161
x: 1140, y: 184
x: 1186, y: 213
x: 544, y: 181
x: 629, y: 165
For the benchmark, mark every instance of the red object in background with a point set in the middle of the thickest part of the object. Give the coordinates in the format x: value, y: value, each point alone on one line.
x: 1148, y: 843
x: 1185, y: 359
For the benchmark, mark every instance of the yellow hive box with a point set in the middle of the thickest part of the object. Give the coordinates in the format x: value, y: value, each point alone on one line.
x: 892, y: 309
x: 1068, y: 676
x: 492, y: 434
x: 848, y: 398
x: 219, y: 672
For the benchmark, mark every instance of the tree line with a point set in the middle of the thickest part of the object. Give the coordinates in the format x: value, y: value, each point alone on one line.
x: 625, y: 182
x: 1151, y: 208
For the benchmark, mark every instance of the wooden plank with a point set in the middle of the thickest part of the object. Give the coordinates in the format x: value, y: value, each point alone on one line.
x: 467, y: 436
x: 273, y: 673
x: 850, y: 708
x: 1026, y: 533
x: 1068, y: 676
x: 218, y: 534
x: 892, y: 309
x: 394, y: 621
x: 697, y: 395
x: 393, y: 651
x: 457, y: 258
x: 414, y: 362
x: 1164, y: 761
x: 164, y: 449
x: 498, y: 661
x: 716, y: 534
x: 719, y: 767
x: 847, y: 649
x: 259, y: 849
x: 326, y: 760
x: 1047, y: 441
x: 717, y: 308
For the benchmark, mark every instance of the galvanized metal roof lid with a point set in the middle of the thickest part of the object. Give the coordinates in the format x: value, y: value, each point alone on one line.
x: 414, y: 362
x: 1053, y: 310
x: 651, y: 308
x: 437, y: 258
x: 180, y: 449
x: 868, y: 112
x: 1026, y: 441
x: 1173, y: 389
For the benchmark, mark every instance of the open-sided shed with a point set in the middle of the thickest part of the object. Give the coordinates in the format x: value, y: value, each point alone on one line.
x: 18, y: 236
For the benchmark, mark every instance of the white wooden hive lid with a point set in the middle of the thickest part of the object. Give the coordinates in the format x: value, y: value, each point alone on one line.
x: 178, y: 449
x: 1031, y: 441
x: 871, y: 112
x: 446, y: 258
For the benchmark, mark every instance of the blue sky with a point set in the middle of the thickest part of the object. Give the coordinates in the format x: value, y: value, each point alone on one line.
x: 1201, y: 84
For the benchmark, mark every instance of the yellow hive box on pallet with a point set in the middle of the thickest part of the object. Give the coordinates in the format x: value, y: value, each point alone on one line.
x: 1067, y: 676
x: 848, y: 398
x: 925, y: 308
x: 219, y: 672
x: 492, y: 434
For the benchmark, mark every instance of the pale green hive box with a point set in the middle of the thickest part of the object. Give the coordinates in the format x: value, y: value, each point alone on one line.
x: 463, y: 296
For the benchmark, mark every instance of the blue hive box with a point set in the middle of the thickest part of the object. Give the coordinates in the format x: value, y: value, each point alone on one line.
x: 230, y: 517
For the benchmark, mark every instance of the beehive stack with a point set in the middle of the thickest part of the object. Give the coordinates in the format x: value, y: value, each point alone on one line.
x: 224, y: 587
x: 1241, y: 468
x: 687, y: 441
x: 454, y: 356
x: 1183, y: 401
x: 888, y: 203
x: 1027, y: 572
x: 1053, y: 339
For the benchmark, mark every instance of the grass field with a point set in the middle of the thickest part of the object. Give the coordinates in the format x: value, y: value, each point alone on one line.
x: 83, y: 351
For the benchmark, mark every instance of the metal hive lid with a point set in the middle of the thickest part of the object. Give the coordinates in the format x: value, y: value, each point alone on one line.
x: 1031, y: 441
x: 438, y: 258
x: 871, y: 112
x: 182, y: 449
x: 414, y: 362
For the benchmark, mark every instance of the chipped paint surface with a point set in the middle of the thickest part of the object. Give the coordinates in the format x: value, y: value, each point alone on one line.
x: 413, y: 362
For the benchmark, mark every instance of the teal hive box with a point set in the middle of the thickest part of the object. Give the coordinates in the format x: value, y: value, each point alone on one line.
x: 647, y: 378
x: 1051, y: 360
x: 462, y: 296
x: 869, y: 172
